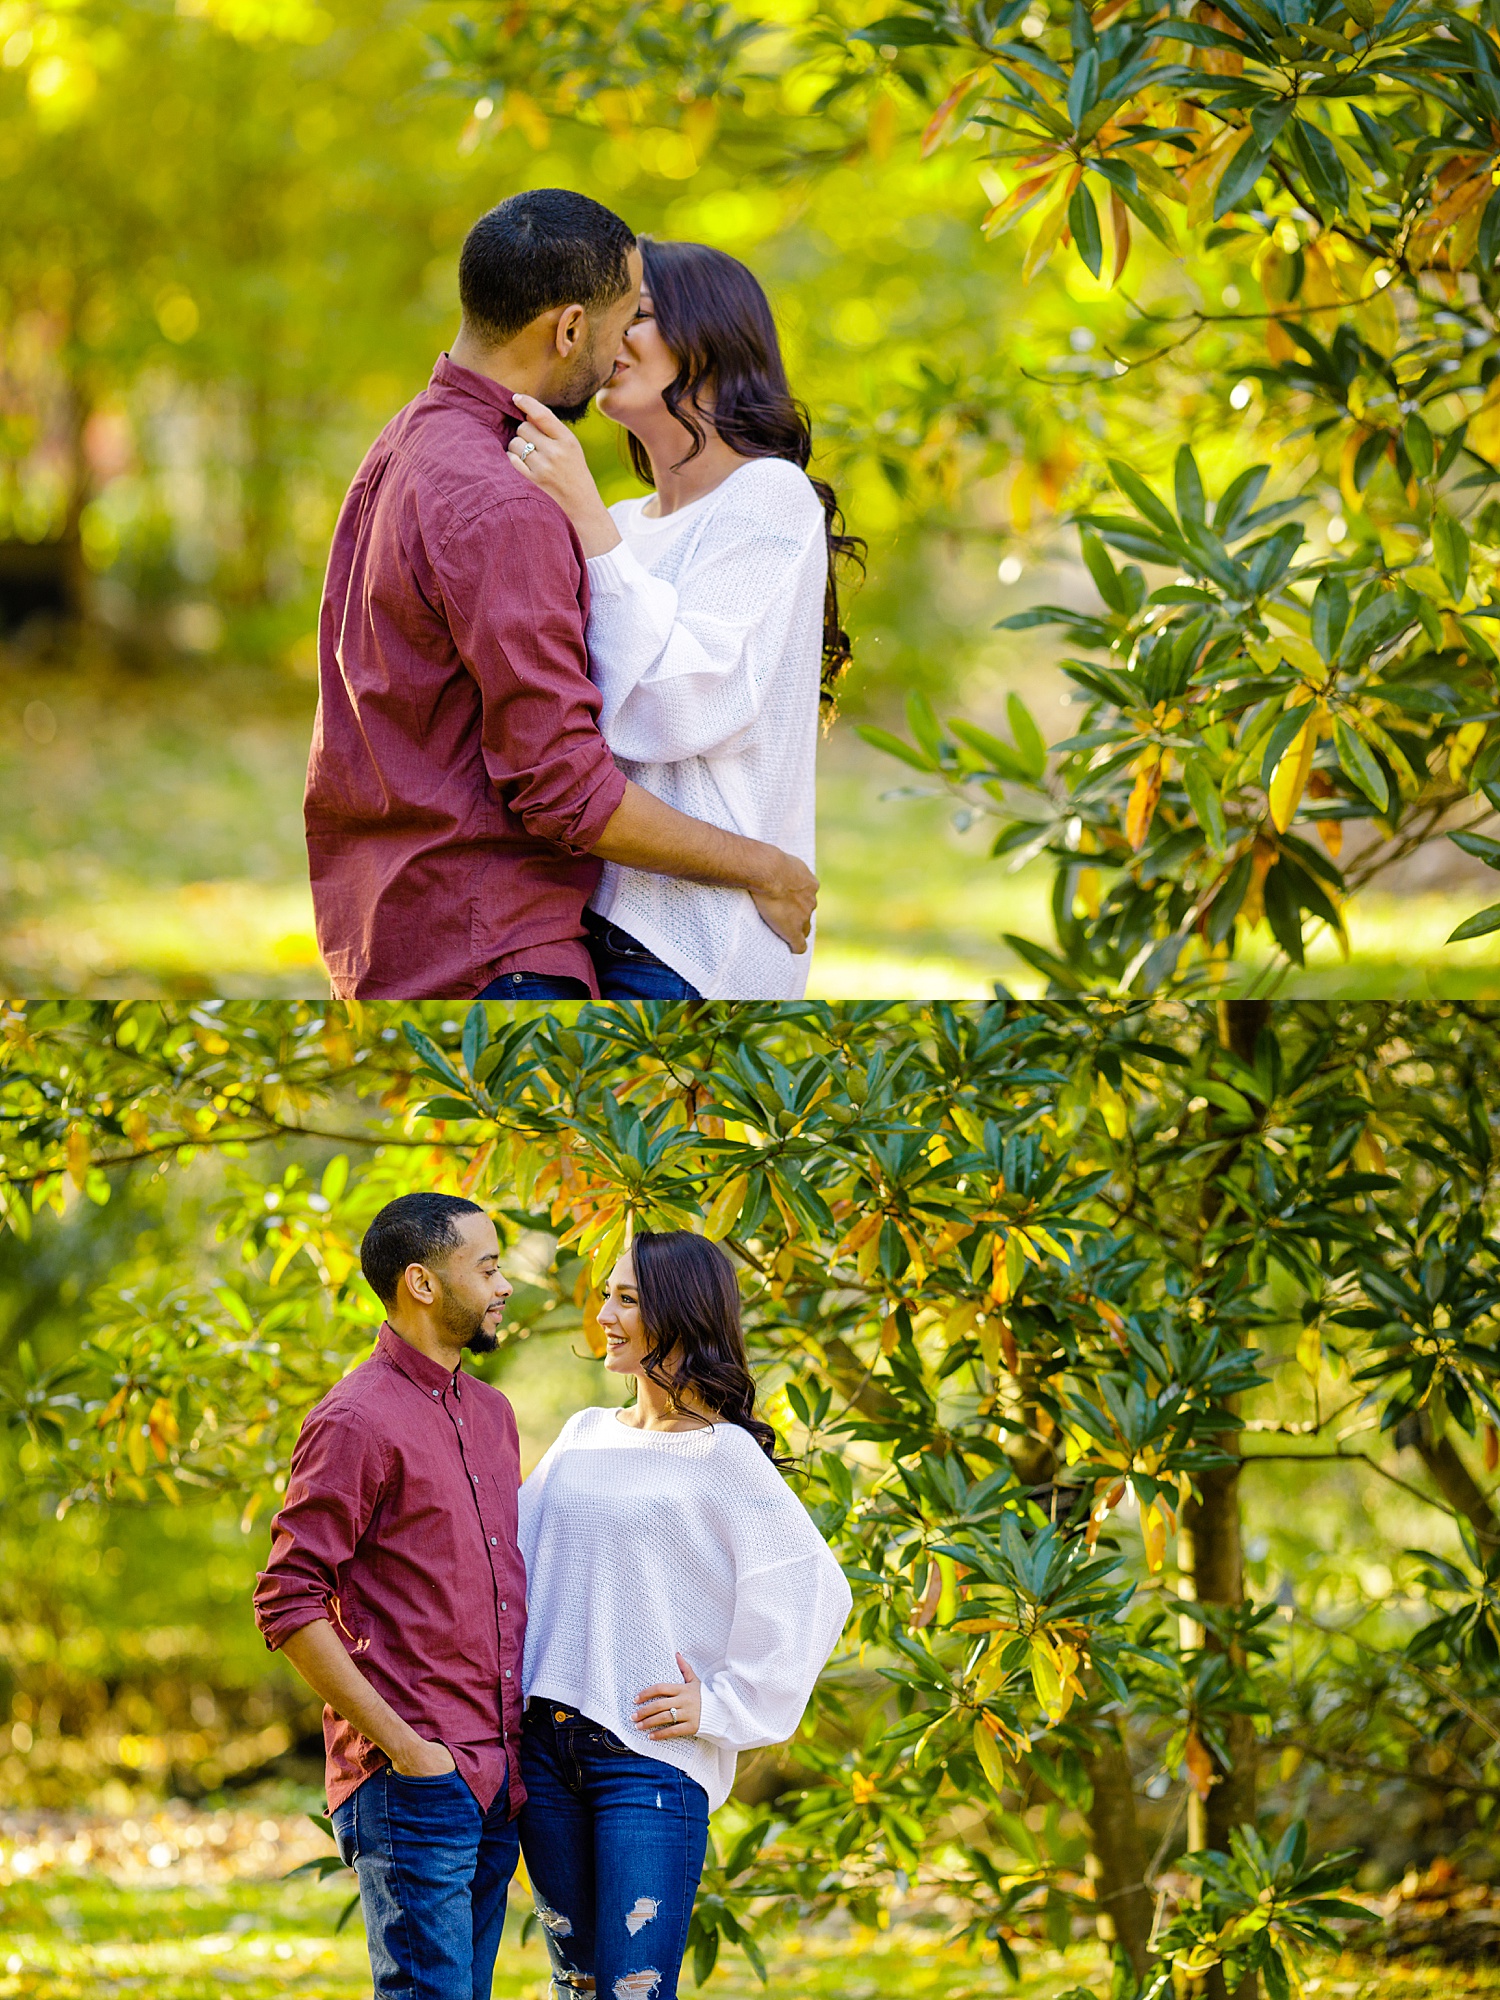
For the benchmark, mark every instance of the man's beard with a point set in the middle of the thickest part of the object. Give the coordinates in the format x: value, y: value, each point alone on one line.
x: 585, y: 372
x: 468, y: 1325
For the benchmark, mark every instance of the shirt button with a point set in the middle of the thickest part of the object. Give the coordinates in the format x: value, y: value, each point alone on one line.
x: 502, y: 1604
x: 460, y: 1423
x: 434, y: 1394
x: 507, y: 1673
x: 475, y: 1477
x: 492, y: 1542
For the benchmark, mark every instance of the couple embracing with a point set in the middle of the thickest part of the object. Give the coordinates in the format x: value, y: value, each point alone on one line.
x: 568, y: 1670
x: 564, y: 750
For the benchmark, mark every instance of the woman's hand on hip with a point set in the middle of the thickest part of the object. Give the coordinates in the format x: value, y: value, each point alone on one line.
x: 546, y: 452
x: 665, y: 1711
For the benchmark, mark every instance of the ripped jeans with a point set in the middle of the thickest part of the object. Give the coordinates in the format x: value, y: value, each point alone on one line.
x: 614, y: 1845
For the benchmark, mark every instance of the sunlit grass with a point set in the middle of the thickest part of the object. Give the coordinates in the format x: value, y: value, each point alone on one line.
x: 151, y: 835
x: 82, y: 1937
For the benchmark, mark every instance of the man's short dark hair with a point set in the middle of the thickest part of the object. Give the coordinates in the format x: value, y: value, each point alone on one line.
x: 412, y: 1229
x: 538, y: 250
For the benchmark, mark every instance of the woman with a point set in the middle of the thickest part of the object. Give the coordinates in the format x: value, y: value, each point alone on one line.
x: 680, y: 1607
x: 712, y: 603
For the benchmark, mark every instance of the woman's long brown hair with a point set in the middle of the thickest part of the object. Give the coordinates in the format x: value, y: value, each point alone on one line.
x: 715, y: 318
x: 690, y: 1311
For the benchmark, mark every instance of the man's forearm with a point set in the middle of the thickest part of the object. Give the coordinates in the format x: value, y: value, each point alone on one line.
x: 645, y: 833
x: 319, y: 1657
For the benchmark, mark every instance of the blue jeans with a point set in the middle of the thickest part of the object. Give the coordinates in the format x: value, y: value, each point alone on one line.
x: 626, y: 970
x: 614, y: 1845
x: 535, y: 986
x: 433, y: 1874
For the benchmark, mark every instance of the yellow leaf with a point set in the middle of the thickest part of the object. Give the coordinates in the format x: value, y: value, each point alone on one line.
x: 864, y: 1787
x: 1483, y: 434
x: 724, y: 1210
x: 1141, y: 809
x: 79, y: 1153
x: 1154, y: 1536
x: 1052, y: 219
x: 1111, y: 1107
x: 880, y: 132
x: 135, y: 1447
x: 170, y: 1487
x: 1289, y: 1763
x: 1464, y: 748
x: 1491, y: 1448
x: 1289, y: 779
x: 1310, y: 1350
x: 987, y: 1750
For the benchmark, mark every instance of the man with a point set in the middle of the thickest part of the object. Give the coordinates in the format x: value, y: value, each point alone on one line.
x: 396, y: 1589
x: 459, y: 794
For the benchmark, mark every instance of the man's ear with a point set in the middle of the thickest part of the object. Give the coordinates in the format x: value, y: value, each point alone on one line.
x: 420, y: 1282
x: 572, y: 331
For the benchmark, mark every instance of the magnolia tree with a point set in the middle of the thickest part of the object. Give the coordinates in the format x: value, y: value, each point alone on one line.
x: 1300, y: 653
x: 1280, y: 224
x: 1018, y: 1282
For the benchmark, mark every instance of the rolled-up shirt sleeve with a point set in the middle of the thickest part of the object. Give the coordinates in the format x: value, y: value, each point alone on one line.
x: 337, y: 1478
x: 513, y: 600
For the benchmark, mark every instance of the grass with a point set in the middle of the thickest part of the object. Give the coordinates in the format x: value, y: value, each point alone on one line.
x: 83, y: 1937
x: 152, y: 840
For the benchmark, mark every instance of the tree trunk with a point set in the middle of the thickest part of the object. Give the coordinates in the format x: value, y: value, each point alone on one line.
x: 1456, y: 1483
x: 1117, y: 1858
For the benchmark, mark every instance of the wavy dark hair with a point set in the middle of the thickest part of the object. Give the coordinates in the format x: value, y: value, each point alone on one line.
x: 717, y: 321
x: 690, y: 1311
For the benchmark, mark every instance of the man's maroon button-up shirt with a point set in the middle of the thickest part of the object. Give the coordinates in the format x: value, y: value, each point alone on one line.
x: 400, y: 1529
x: 458, y: 780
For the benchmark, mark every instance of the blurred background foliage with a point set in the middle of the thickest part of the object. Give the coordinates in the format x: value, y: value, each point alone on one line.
x: 1140, y: 1361
x: 233, y: 231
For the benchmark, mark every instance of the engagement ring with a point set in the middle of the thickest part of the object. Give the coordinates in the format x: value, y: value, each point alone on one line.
x: 527, y: 449
x: 673, y: 1713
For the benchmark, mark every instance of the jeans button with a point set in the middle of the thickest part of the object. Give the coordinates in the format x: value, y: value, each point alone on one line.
x: 559, y: 1715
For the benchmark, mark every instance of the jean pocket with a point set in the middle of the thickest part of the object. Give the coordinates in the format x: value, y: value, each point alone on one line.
x: 608, y: 1741
x: 345, y: 1822
x: 433, y: 1778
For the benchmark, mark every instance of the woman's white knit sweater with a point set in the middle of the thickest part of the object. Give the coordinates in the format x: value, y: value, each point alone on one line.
x: 705, y: 638
x: 640, y: 1545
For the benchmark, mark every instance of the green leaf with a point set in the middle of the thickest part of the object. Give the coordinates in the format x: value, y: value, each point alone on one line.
x: 1360, y: 765
x: 1029, y: 739
x: 1244, y: 170
x: 1083, y: 90
x: 1450, y: 549
x: 1479, y: 925
x: 476, y: 1036
x: 1203, y: 796
x: 1107, y: 579
x: 921, y: 719
x: 1189, y: 487
x: 1083, y: 220
x: 1418, y: 441
x: 1002, y: 759
x: 882, y: 739
x: 1144, y: 500
x: 1283, y: 912
x: 1480, y: 845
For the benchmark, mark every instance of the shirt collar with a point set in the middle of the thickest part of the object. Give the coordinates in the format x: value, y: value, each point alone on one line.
x: 451, y: 383
x: 417, y: 1367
